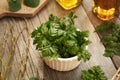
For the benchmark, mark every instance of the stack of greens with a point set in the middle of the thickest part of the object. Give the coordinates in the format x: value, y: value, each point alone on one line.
x: 58, y: 37
x: 111, y: 39
x: 94, y: 73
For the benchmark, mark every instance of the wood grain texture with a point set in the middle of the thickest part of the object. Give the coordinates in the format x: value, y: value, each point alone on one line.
x: 34, y: 64
x: 25, y: 11
x: 117, y: 75
x: 35, y: 67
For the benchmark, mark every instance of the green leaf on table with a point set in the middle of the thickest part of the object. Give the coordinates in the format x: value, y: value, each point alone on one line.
x: 14, y: 5
x: 94, y: 73
x: 32, y: 78
x: 32, y: 3
x: 110, y: 38
x: 104, y: 26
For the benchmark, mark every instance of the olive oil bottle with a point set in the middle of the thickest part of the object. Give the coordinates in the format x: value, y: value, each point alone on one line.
x: 69, y: 4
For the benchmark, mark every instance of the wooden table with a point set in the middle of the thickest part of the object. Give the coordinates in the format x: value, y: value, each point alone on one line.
x: 25, y: 55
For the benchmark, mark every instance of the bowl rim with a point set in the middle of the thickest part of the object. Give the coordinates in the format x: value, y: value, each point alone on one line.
x: 70, y: 58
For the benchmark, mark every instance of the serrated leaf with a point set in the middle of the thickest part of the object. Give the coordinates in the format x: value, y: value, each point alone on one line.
x: 58, y: 37
x: 111, y: 38
x: 94, y: 73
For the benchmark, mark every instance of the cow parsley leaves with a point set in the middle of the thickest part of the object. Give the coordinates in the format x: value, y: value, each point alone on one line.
x: 94, y: 73
x: 58, y: 37
x: 110, y: 38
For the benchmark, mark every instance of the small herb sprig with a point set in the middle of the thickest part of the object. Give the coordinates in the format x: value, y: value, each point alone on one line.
x: 58, y: 37
x: 32, y: 78
x: 110, y: 38
x: 94, y: 73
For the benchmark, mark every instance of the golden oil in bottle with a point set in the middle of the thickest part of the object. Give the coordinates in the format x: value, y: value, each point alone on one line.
x: 104, y: 9
x: 69, y: 4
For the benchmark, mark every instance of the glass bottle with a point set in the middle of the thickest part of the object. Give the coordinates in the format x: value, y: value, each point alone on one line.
x: 104, y: 9
x: 69, y: 4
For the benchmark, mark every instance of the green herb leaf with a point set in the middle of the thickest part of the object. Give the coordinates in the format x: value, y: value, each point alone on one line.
x: 32, y: 3
x: 14, y: 5
x: 33, y: 78
x: 110, y: 38
x: 94, y: 73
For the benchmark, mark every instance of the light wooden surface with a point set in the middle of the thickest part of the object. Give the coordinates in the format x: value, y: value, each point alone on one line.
x: 34, y: 64
x: 35, y: 67
x: 25, y: 11
x: 117, y: 75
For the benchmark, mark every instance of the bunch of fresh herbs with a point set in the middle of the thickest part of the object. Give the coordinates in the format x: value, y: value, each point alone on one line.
x: 94, y: 73
x: 58, y: 37
x: 110, y: 38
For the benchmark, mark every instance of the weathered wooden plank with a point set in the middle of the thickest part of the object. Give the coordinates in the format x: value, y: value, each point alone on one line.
x: 34, y: 63
x: 18, y: 53
x: 7, y: 62
x: 117, y: 75
x: 32, y: 56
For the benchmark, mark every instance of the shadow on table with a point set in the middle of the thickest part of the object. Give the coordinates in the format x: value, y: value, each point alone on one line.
x: 50, y: 74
